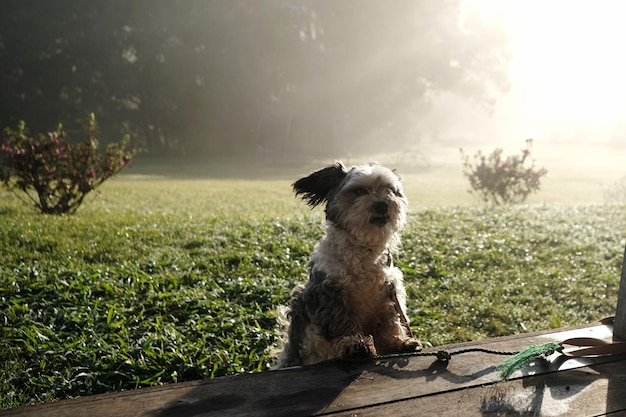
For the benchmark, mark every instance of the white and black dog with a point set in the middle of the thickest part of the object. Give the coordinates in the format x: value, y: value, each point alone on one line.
x: 354, y: 303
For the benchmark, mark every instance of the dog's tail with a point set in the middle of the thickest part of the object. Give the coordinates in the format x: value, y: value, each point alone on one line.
x: 291, y: 326
x: 282, y: 321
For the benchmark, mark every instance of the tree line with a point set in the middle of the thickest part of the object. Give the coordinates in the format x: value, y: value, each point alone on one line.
x: 231, y: 77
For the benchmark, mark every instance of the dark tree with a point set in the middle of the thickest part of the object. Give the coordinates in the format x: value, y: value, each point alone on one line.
x: 230, y: 76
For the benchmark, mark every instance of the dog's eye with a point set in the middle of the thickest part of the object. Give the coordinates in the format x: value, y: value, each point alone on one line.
x: 396, y: 191
x: 359, y: 191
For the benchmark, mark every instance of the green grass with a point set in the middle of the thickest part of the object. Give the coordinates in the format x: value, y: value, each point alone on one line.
x: 158, y: 280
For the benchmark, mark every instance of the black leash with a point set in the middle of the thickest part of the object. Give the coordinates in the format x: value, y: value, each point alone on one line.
x: 445, y: 355
x: 441, y: 355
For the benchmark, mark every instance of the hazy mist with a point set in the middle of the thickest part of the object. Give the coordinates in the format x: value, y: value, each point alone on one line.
x: 305, y: 80
x: 566, y: 77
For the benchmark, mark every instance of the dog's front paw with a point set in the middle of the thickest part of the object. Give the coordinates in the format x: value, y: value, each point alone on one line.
x: 360, y: 347
x: 411, y: 345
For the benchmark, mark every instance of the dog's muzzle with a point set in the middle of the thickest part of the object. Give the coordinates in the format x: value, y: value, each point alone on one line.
x: 380, y: 210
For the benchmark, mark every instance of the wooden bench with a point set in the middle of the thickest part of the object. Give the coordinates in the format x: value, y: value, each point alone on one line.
x: 466, y: 385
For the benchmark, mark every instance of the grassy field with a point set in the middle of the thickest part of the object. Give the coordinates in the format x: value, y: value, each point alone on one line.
x: 173, y: 274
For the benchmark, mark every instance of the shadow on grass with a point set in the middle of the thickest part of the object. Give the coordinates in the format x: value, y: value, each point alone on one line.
x: 242, y: 168
x: 200, y: 168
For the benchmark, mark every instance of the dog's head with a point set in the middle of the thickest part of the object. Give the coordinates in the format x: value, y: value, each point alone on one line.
x: 365, y: 200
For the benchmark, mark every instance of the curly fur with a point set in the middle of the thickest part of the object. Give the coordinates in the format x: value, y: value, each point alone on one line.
x: 345, y: 309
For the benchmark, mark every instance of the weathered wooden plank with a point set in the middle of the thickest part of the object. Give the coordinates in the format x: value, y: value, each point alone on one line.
x: 392, y: 380
x: 321, y: 389
x: 588, y: 391
x: 620, y: 311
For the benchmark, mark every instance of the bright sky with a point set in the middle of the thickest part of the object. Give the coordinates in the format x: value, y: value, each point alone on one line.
x: 569, y: 62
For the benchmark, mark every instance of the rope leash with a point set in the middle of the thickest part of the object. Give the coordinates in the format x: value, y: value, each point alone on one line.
x: 441, y: 355
x: 583, y: 346
x: 578, y: 347
x: 445, y: 355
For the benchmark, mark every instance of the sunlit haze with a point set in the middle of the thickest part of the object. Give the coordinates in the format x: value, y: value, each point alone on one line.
x: 568, y: 71
x: 309, y: 80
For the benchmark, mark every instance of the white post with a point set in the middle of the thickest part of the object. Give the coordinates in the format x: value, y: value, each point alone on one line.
x: 619, y: 325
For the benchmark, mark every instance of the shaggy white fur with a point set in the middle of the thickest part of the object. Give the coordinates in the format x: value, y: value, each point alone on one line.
x: 354, y: 303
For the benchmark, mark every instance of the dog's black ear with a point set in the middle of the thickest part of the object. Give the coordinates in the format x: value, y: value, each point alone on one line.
x: 315, y: 188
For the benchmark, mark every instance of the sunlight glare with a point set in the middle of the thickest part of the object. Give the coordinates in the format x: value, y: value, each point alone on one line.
x: 568, y: 63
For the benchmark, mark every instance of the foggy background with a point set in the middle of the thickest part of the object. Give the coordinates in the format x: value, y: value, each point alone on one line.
x: 284, y: 80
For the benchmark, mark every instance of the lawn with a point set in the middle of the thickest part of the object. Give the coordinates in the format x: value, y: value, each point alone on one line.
x: 164, y: 277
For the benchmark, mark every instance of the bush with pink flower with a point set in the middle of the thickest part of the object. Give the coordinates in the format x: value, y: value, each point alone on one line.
x: 500, y: 180
x: 55, y: 174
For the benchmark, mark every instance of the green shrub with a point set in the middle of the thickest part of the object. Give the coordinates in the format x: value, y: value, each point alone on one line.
x: 54, y: 174
x: 501, y: 180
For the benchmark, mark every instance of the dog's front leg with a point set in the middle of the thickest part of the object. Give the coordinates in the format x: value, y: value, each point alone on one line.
x: 328, y: 311
x: 393, y: 339
x: 396, y: 337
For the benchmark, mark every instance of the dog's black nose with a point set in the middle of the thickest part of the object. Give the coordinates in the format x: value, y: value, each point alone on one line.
x: 380, y: 207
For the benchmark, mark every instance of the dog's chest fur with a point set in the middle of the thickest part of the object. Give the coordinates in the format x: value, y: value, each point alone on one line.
x: 368, y: 297
x: 362, y: 277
